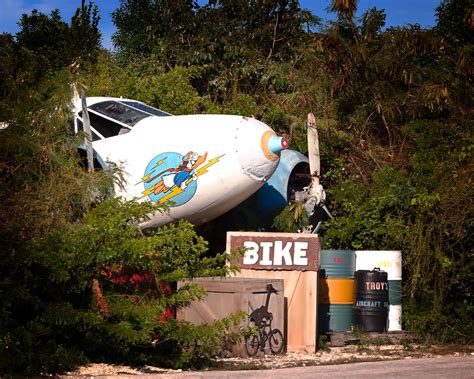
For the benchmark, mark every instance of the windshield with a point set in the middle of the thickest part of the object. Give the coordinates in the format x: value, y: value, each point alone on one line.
x: 146, y: 108
x: 120, y: 112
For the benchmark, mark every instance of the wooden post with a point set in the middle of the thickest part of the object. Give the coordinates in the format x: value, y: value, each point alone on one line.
x: 87, y: 131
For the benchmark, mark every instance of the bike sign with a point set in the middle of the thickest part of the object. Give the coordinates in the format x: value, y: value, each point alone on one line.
x: 276, y: 251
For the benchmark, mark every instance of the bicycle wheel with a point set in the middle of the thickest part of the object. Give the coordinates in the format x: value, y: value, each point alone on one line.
x: 276, y: 341
x: 251, y: 345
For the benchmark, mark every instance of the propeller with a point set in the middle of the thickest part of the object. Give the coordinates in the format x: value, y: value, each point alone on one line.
x: 314, y: 195
x: 315, y: 191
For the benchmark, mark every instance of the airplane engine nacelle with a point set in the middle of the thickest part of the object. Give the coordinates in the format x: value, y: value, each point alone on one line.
x: 291, y: 175
x: 259, y: 210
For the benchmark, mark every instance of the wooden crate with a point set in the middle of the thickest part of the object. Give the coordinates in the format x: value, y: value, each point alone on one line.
x: 272, y: 256
x: 229, y: 295
x: 300, y: 293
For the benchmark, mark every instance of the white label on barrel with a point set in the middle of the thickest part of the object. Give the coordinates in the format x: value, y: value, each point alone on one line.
x: 380, y: 286
x: 371, y: 303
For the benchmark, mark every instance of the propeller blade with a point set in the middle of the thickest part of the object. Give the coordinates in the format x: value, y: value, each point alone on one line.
x: 313, y: 149
x: 327, y: 211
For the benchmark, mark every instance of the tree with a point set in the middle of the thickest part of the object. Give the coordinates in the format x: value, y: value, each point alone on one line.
x: 84, y: 36
x: 58, y: 43
x: 234, y: 41
x: 455, y: 20
x: 44, y: 45
x: 160, y: 27
x: 46, y: 36
x: 345, y: 8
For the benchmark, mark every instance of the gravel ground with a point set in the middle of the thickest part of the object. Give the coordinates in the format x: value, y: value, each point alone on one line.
x: 335, y: 355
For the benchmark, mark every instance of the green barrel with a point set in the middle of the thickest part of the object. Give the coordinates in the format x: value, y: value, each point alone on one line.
x: 336, y: 294
x: 337, y: 263
x: 334, y: 317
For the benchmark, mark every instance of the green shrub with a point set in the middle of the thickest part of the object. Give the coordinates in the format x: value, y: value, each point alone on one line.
x: 80, y: 282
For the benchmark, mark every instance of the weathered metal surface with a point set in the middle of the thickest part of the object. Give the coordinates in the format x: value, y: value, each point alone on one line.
x: 276, y: 251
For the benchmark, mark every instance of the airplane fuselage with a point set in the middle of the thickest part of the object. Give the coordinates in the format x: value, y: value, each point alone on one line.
x: 200, y: 166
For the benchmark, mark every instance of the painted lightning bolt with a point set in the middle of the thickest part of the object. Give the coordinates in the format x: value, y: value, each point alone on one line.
x: 147, y: 176
x: 147, y: 192
x: 209, y: 163
x: 174, y: 192
x: 177, y: 190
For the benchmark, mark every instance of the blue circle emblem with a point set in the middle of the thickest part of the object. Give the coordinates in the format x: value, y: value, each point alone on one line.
x: 167, y: 182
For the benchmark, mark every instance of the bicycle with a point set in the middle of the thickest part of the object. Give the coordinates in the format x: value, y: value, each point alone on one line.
x: 262, y: 319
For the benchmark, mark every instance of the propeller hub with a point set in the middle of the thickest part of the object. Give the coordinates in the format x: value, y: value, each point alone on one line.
x: 277, y: 144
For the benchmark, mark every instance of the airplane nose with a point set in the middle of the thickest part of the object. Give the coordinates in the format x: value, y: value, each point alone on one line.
x: 272, y: 145
x: 277, y: 144
x: 258, y: 148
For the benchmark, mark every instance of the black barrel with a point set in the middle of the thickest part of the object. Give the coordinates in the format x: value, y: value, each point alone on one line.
x: 370, y: 308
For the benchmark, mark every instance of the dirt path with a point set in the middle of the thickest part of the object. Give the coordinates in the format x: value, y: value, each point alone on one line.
x: 332, y: 356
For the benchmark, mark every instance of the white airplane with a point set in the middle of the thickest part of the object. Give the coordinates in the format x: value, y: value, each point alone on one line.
x: 200, y: 166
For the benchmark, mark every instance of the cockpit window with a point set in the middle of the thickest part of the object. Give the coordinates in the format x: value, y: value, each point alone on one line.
x: 120, y: 112
x: 146, y: 108
x: 110, y: 118
x: 80, y: 128
x: 104, y: 126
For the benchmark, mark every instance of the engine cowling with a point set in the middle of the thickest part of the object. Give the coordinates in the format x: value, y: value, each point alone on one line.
x: 259, y: 210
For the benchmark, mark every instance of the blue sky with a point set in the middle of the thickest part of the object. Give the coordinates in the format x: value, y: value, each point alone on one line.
x: 399, y: 12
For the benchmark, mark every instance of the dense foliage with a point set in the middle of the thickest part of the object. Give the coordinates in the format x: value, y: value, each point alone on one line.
x: 393, y: 107
x: 80, y: 281
x: 394, y: 113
